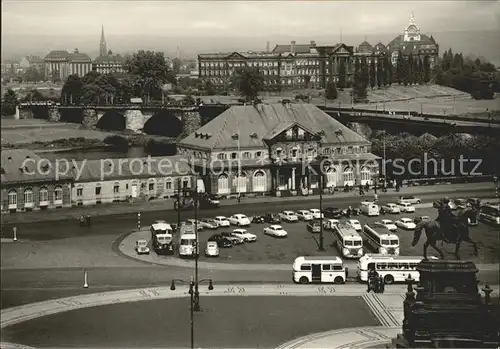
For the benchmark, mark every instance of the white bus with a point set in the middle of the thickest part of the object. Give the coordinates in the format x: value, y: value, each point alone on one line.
x: 347, y: 240
x: 390, y: 268
x: 369, y: 208
x: 160, y: 227
x: 187, y: 245
x: 318, y: 269
x: 385, y: 243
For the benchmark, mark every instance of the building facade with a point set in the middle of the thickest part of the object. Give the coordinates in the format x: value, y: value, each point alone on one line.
x: 278, y: 149
x: 285, y: 67
x: 107, y: 63
x: 30, y: 184
x: 60, y: 64
x: 122, y: 180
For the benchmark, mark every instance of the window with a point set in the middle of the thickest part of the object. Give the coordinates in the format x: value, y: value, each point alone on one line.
x: 151, y: 186
x: 258, y: 154
x: 116, y: 188
x: 349, y: 176
x: 12, y: 197
x: 278, y: 152
x: 326, y: 267
x: 349, y: 150
x: 79, y: 191
x: 168, y: 184
x: 305, y: 267
x: 247, y: 155
x: 223, y: 184
x: 44, y: 194
x: 221, y: 156
x: 234, y: 155
x: 295, y: 152
x: 365, y: 175
x: 28, y: 196
x: 339, y: 150
x: 259, y: 181
x: 98, y: 189
x: 240, y: 182
x: 58, y: 193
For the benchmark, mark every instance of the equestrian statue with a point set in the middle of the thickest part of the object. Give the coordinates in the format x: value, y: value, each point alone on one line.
x: 448, y: 227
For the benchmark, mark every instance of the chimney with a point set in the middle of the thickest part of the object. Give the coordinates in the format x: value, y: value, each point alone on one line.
x: 312, y: 43
x: 292, y: 46
x: 267, y: 47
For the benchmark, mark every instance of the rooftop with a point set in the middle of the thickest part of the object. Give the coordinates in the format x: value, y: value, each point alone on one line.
x: 253, y: 123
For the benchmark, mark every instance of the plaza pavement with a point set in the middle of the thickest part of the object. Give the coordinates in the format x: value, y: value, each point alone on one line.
x: 168, y: 204
x: 387, y: 308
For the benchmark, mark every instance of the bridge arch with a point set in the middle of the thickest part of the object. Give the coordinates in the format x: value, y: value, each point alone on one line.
x: 40, y: 112
x: 163, y: 123
x: 73, y: 115
x: 112, y: 120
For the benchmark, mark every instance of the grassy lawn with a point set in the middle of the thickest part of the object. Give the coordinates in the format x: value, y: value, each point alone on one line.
x: 226, y: 322
x: 300, y: 242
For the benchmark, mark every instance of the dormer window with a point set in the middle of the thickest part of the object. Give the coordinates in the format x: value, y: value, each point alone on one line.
x: 278, y: 152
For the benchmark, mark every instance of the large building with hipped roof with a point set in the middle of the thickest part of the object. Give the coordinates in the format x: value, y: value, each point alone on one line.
x: 280, y: 149
x: 60, y: 64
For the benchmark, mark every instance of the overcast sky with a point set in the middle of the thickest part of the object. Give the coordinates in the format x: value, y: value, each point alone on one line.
x: 241, y: 18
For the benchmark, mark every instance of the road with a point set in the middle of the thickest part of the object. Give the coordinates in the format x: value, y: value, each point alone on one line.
x: 46, y: 274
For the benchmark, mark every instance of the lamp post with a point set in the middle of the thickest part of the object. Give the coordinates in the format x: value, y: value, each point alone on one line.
x: 178, y: 202
x: 196, y: 251
x: 193, y: 286
x: 384, y: 172
x: 321, y: 240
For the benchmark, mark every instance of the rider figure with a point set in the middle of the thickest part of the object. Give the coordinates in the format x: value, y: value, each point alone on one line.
x: 445, y: 217
x: 372, y: 275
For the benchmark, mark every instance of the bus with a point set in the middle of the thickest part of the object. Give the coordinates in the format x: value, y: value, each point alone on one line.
x: 161, y: 236
x: 347, y: 240
x: 319, y: 269
x: 385, y: 243
x: 187, y: 241
x: 390, y: 268
x: 369, y: 208
x: 160, y: 227
x: 489, y: 213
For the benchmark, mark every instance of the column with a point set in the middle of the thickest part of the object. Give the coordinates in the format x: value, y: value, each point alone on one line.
x: 277, y: 179
x: 293, y: 178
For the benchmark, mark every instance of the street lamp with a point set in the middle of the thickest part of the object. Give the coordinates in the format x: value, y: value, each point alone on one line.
x: 193, y: 288
x: 178, y: 203
x: 321, y: 241
x: 384, y: 172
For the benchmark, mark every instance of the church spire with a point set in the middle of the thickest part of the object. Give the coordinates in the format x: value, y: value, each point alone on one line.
x: 103, y: 49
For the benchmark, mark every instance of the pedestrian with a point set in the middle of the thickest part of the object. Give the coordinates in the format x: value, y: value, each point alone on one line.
x: 375, y: 197
x: 88, y: 221
x: 239, y: 198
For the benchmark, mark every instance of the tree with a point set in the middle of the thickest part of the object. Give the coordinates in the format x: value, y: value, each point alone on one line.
x: 365, y: 71
x: 150, y: 71
x: 34, y: 96
x: 426, y: 69
x: 72, y: 90
x: 209, y: 87
x: 248, y: 81
x: 420, y: 71
x: 9, y: 103
x: 373, y: 76
x: 458, y: 61
x: 342, y: 74
x: 388, y: 70
x: 380, y: 72
x: 331, y: 90
x: 400, y: 68
x: 359, y: 88
x: 32, y: 75
x: 307, y: 79
x: 176, y: 65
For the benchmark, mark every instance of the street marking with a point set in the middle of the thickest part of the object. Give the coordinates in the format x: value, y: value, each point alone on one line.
x: 326, y: 289
x: 149, y: 293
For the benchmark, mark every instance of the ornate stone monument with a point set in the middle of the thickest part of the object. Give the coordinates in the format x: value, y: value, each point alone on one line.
x: 447, y: 311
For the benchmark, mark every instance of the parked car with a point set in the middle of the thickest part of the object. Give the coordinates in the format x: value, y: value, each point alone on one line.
x: 387, y: 224
x: 257, y: 219
x: 239, y: 219
x: 141, y: 247
x: 212, y: 249
x: 276, y: 231
x: 406, y: 223
x: 222, y: 221
x: 411, y: 199
x: 460, y: 203
x: 406, y: 207
x: 316, y: 213
x: 314, y: 226
x: 330, y: 223
x: 196, y: 223
x: 304, y: 215
x: 234, y: 239
x: 391, y: 208
x: 272, y: 218
x: 355, y: 224
x: 288, y: 216
x: 221, y: 241
x: 209, y: 224
x: 332, y: 212
x: 243, y: 234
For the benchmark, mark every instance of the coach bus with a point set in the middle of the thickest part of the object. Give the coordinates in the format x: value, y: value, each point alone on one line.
x: 347, y: 240
x: 390, y: 268
x: 385, y: 243
x: 319, y: 269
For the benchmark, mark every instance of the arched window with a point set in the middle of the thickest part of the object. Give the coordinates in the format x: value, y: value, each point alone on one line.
x: 168, y: 184
x: 223, y: 184
x: 116, y: 188
x: 186, y: 183
x: 79, y: 190
x: 365, y: 176
x: 259, y: 181
x: 12, y: 196
x: 151, y: 185
x: 28, y: 197
x: 348, y: 176
x: 58, y: 194
x: 44, y: 196
x: 295, y: 152
x: 331, y: 177
x: 240, y: 182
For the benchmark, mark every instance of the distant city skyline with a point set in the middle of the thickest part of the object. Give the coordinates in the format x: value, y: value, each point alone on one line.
x: 195, y: 26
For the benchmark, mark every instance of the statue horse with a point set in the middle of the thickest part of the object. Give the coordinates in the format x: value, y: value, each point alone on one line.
x: 456, y: 234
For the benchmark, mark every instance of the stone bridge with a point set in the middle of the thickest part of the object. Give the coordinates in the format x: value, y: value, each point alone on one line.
x: 119, y: 117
